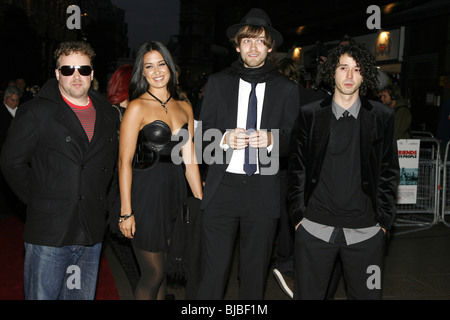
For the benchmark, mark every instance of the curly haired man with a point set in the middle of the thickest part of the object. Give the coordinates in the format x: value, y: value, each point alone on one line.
x: 343, y: 175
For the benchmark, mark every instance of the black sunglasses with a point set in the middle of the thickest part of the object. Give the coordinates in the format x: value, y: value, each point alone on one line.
x: 69, y: 70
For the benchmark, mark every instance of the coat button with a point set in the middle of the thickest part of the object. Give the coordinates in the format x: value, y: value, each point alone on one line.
x: 313, y: 180
x: 68, y: 139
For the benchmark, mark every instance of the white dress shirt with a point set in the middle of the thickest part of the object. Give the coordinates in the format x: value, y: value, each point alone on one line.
x: 236, y: 164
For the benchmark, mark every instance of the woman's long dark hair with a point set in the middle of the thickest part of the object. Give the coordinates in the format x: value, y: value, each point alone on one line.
x: 138, y: 83
x: 364, y: 60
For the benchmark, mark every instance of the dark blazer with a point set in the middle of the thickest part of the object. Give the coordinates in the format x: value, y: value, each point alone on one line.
x: 7, y: 197
x: 379, y: 157
x: 5, y: 120
x: 219, y: 111
x: 60, y: 176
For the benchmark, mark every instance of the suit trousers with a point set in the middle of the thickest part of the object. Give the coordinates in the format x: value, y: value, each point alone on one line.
x: 236, y: 205
x: 362, y: 265
x: 285, y: 250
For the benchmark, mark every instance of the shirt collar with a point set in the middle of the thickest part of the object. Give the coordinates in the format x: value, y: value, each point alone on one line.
x: 353, y: 110
x: 11, y: 110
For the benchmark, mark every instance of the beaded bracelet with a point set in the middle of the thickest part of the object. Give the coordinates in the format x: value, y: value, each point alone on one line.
x: 125, y: 217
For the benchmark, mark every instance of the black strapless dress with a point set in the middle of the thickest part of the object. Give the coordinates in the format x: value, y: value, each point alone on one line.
x: 159, y: 186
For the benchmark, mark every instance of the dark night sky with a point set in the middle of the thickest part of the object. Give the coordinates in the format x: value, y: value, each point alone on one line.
x: 150, y: 20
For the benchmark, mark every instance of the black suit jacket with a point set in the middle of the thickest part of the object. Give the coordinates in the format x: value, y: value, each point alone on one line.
x: 54, y: 169
x: 379, y: 157
x: 219, y: 111
x: 5, y: 121
x: 7, y: 197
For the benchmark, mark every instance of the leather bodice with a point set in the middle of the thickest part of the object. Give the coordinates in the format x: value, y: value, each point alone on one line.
x: 155, y: 144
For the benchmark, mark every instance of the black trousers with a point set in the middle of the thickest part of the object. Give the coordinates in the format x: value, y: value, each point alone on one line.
x: 286, y: 235
x: 236, y: 206
x: 285, y: 252
x: 362, y: 265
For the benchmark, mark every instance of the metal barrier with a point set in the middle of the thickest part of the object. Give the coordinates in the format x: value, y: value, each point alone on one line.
x: 445, y: 206
x: 425, y: 212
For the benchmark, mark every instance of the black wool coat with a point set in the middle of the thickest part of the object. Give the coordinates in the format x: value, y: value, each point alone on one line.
x: 54, y: 169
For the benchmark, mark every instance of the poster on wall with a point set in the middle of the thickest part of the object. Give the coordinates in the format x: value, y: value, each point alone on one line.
x: 408, y: 157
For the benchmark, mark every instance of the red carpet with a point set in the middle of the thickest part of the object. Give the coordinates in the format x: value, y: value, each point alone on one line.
x: 11, y: 265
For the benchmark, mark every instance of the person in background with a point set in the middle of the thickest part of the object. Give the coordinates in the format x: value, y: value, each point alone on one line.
x: 443, y: 130
x: 156, y: 127
x: 11, y: 100
x: 117, y: 95
x: 8, y: 109
x: 391, y: 97
x: 25, y: 95
x: 343, y: 177
x: 10, y: 205
x: 118, y: 86
x: 183, y: 94
x: 60, y: 167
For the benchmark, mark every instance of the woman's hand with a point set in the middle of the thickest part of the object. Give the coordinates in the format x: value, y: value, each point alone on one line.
x: 128, y: 227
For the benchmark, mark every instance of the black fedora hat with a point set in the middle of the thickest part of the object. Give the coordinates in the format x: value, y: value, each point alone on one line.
x: 256, y: 17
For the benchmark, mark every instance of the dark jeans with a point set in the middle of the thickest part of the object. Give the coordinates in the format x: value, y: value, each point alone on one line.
x: 61, y: 273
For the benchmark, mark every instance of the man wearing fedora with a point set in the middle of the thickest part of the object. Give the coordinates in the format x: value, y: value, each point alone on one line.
x: 254, y: 108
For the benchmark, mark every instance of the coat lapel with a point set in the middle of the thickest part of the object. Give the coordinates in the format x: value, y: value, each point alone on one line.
x: 231, y: 101
x: 321, y: 128
x: 66, y: 117
x: 368, y: 129
x: 100, y: 121
x: 269, y: 97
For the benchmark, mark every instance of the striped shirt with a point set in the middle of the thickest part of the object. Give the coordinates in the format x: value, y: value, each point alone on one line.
x: 86, y: 115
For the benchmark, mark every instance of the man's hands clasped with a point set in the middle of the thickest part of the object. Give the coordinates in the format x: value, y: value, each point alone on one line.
x: 240, y: 138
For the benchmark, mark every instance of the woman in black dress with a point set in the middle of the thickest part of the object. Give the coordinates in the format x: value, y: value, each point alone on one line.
x: 156, y: 158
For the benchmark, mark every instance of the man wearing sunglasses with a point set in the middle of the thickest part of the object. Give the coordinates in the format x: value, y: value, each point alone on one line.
x: 59, y: 158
